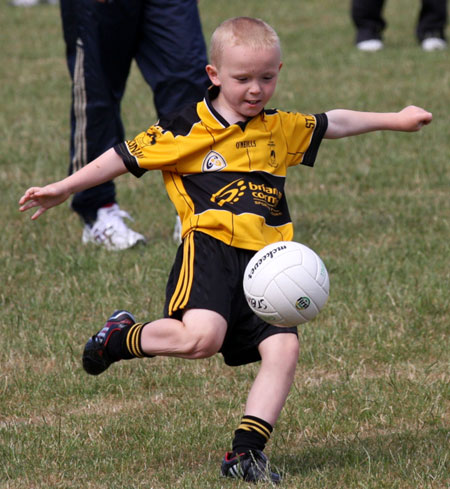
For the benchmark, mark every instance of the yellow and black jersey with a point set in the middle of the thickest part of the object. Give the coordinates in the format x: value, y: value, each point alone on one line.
x: 228, y: 180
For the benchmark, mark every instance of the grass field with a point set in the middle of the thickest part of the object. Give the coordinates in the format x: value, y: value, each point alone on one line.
x: 370, y: 404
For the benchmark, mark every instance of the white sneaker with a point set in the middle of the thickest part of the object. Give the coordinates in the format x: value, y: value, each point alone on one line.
x: 370, y: 45
x: 176, y: 236
x: 110, y: 231
x: 24, y: 3
x: 433, y: 44
x: 31, y: 3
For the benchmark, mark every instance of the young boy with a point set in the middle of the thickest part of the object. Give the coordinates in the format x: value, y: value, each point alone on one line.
x: 224, y: 162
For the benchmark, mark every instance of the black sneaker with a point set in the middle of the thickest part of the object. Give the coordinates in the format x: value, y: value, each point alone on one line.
x: 251, y: 467
x: 95, y: 358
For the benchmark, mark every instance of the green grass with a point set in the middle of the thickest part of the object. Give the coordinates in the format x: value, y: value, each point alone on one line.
x: 370, y: 403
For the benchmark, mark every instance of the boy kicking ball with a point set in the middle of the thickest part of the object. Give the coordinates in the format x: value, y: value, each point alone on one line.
x: 224, y: 163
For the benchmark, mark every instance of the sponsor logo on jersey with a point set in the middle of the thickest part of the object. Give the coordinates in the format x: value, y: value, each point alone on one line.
x: 213, y: 161
x: 230, y: 194
x: 266, y: 196
x: 261, y: 194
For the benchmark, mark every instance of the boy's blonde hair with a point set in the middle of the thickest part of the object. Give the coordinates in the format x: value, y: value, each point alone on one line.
x: 242, y: 31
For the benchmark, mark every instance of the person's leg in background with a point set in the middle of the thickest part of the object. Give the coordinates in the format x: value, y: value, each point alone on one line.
x: 369, y: 22
x: 172, y: 53
x: 172, y: 57
x: 431, y: 25
x: 100, y: 41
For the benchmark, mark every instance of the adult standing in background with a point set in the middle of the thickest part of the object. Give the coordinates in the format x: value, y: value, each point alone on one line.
x: 369, y: 22
x: 102, y: 38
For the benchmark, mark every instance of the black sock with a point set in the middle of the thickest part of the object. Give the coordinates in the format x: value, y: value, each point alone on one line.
x: 252, y: 434
x: 126, y: 343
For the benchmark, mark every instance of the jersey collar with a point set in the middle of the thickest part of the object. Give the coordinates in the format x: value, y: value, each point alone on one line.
x: 210, y: 115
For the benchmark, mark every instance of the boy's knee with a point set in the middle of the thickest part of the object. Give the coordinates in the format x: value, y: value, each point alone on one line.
x: 282, y: 347
x: 202, y: 346
x: 205, y: 332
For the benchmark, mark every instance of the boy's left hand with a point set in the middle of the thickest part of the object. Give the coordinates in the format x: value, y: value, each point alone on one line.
x: 413, y: 118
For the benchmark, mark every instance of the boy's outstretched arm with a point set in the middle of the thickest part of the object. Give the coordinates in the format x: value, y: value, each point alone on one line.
x: 104, y: 168
x: 343, y: 123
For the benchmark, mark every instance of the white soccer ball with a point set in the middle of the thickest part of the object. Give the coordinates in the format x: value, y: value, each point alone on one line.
x: 286, y: 283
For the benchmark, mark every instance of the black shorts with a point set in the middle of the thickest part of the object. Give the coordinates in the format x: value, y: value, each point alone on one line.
x: 207, y: 274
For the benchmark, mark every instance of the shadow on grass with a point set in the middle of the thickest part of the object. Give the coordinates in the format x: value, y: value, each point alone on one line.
x: 425, y: 448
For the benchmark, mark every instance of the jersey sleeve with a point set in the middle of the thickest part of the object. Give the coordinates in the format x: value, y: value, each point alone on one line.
x: 303, y: 134
x: 154, y: 149
x: 317, y: 136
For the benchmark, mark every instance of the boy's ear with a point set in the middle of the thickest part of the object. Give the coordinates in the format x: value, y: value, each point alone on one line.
x: 212, y: 72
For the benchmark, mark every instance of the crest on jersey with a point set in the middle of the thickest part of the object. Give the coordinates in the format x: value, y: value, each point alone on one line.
x: 213, y: 161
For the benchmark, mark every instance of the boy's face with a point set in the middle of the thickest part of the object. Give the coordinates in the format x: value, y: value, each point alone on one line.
x: 247, y: 78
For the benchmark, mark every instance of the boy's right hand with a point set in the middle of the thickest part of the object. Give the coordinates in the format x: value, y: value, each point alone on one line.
x: 43, y: 197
